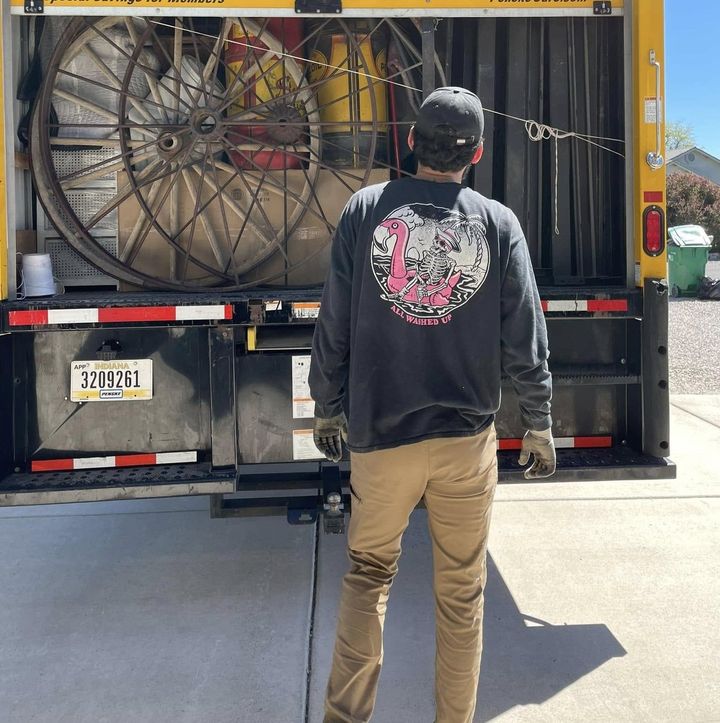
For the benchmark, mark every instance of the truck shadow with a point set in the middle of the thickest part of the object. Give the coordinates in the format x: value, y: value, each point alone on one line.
x: 527, y: 661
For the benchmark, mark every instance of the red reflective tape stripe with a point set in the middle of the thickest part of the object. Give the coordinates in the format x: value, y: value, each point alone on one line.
x: 563, y: 443
x: 108, y: 315
x: 136, y: 313
x: 505, y: 444
x: 50, y: 465
x: 607, y: 305
x: 28, y: 318
x: 591, y: 305
x: 134, y: 460
x: 653, y: 196
x: 593, y: 442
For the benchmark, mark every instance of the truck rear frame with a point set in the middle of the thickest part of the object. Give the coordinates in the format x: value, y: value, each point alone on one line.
x: 222, y: 421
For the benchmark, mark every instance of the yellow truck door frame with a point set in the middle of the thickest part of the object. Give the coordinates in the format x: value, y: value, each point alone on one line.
x: 7, y: 158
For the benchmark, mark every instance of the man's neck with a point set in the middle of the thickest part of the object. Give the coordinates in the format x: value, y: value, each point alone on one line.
x: 429, y: 174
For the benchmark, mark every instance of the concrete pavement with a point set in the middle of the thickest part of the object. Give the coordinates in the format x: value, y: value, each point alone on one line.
x: 601, y: 606
x: 151, y: 611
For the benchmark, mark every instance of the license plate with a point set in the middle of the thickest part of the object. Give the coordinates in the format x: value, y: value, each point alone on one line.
x: 115, y: 380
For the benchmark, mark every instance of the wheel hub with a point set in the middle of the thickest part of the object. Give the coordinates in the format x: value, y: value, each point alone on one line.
x: 205, y: 123
x: 169, y: 145
x: 288, y: 124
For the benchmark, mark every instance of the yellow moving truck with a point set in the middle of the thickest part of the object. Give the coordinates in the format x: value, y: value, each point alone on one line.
x: 171, y: 177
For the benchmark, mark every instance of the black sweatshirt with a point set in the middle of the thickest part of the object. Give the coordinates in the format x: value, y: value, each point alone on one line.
x: 429, y: 297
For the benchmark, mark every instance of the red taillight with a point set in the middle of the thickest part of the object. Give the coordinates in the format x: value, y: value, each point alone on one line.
x: 653, y: 231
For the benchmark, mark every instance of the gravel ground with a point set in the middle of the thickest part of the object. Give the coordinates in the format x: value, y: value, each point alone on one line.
x: 695, y: 343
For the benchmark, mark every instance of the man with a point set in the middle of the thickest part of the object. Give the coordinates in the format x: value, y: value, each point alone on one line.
x: 429, y: 297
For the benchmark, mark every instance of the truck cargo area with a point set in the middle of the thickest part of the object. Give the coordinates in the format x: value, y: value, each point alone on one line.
x: 185, y: 157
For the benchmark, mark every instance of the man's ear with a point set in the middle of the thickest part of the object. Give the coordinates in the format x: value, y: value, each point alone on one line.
x: 478, y: 155
x: 411, y: 138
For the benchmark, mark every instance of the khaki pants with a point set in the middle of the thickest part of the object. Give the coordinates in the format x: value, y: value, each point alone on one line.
x: 457, y: 478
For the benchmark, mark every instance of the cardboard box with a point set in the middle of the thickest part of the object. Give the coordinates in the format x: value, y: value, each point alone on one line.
x: 26, y: 241
x: 261, y: 231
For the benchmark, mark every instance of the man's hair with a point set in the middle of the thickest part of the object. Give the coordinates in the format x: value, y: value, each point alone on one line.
x: 441, y: 156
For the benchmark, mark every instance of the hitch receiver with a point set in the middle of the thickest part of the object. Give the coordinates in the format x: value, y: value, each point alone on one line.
x: 333, y: 504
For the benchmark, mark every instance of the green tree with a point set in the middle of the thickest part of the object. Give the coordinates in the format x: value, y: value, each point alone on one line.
x: 678, y: 136
x: 692, y: 199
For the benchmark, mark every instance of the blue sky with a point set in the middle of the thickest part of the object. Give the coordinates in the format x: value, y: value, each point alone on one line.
x: 692, y: 77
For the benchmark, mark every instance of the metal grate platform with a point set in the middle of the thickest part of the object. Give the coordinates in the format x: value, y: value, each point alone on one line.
x: 594, y: 465
x: 113, y: 484
x: 92, y: 299
x: 71, y: 268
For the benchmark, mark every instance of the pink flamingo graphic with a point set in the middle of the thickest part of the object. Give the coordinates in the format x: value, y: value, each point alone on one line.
x: 435, y: 277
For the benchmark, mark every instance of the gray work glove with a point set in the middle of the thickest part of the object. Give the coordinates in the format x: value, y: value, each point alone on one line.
x: 541, y: 446
x: 328, y: 435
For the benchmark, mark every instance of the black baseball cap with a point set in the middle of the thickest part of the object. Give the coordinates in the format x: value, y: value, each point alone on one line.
x: 452, y: 115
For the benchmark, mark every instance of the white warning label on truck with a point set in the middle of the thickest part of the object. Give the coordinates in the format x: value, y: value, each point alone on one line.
x: 306, y: 310
x: 651, y: 110
x: 303, y: 445
x: 303, y: 405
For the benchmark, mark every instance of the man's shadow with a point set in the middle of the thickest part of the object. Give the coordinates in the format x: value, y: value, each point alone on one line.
x: 525, y: 660
x: 528, y: 661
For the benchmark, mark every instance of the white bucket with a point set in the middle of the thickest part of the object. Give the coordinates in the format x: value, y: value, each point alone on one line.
x: 37, y: 275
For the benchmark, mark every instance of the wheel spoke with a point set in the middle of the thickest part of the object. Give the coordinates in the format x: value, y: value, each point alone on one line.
x: 304, y: 94
x: 243, y: 214
x: 196, y: 211
x: 220, y: 257
x: 412, y: 48
x: 174, y: 176
x: 87, y: 104
x: 315, y: 196
x: 130, y: 250
x: 111, y: 168
x: 220, y: 192
x: 94, y: 108
x: 292, y: 52
x: 177, y: 65
x: 298, y: 199
x: 402, y: 72
x: 126, y: 191
x: 149, y: 73
x: 237, y: 74
x: 319, y: 162
x: 362, y: 156
x: 178, y: 76
x: 253, y: 53
x: 246, y: 177
x: 233, y: 168
x: 136, y: 148
x: 226, y: 226
x: 149, y: 77
x: 203, y: 82
x: 253, y: 201
x: 100, y: 142
x: 338, y: 70
x: 213, y: 64
x: 114, y: 81
x: 342, y: 67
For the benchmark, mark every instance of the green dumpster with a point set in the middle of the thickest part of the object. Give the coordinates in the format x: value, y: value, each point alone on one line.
x: 688, y: 251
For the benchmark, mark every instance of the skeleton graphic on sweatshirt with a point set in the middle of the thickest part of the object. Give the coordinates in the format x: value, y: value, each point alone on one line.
x: 429, y: 260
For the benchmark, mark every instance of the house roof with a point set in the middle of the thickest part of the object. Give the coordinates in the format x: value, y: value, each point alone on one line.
x: 672, y: 155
